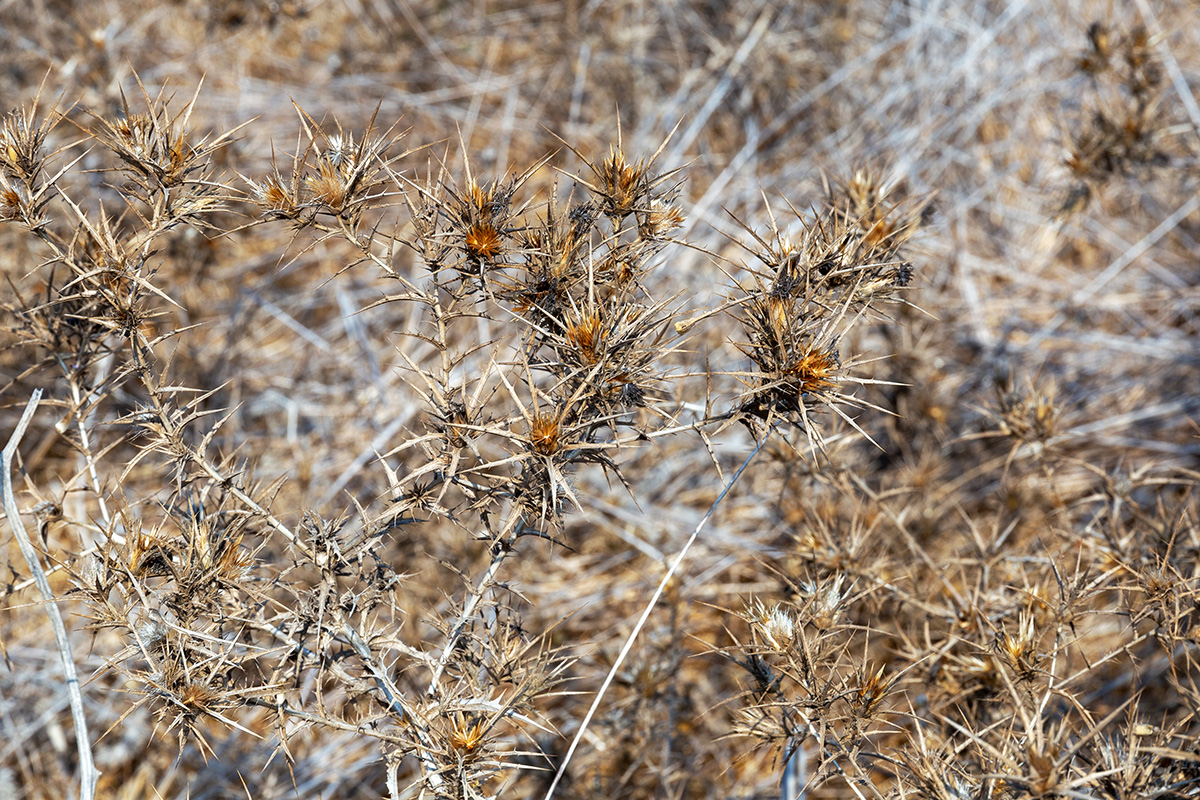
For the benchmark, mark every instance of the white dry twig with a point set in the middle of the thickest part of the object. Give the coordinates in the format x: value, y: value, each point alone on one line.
x: 88, y: 774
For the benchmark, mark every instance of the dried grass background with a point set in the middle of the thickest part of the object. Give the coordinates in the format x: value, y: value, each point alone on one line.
x: 1018, y: 554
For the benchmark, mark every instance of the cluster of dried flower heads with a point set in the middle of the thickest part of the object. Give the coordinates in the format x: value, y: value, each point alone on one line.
x: 910, y: 626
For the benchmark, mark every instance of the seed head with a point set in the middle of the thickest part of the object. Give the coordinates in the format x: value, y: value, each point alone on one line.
x: 21, y: 146
x: 870, y: 692
x: 1096, y: 59
x: 467, y: 734
x: 276, y: 197
x: 12, y: 201
x: 545, y: 432
x: 1020, y: 649
x: 483, y: 241
x: 812, y: 370
x: 777, y: 627
x: 586, y: 334
x: 622, y: 185
x: 662, y: 218
x: 327, y: 187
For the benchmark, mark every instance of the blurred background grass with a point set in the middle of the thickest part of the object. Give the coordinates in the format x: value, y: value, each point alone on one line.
x: 1024, y: 295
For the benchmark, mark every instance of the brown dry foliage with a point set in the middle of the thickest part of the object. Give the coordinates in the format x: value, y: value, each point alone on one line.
x: 362, y: 450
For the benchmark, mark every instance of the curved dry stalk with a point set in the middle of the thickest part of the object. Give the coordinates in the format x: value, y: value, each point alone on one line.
x: 89, y: 775
x: 637, y: 628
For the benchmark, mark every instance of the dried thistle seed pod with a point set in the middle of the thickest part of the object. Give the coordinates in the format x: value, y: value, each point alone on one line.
x: 483, y: 242
x: 545, y: 433
x: 1097, y: 57
x: 278, y: 198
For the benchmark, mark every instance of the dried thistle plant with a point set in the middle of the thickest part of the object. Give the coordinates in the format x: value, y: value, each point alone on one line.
x: 361, y: 453
x: 214, y: 623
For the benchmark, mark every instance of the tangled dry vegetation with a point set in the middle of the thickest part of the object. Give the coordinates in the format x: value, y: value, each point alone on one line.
x: 810, y: 413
